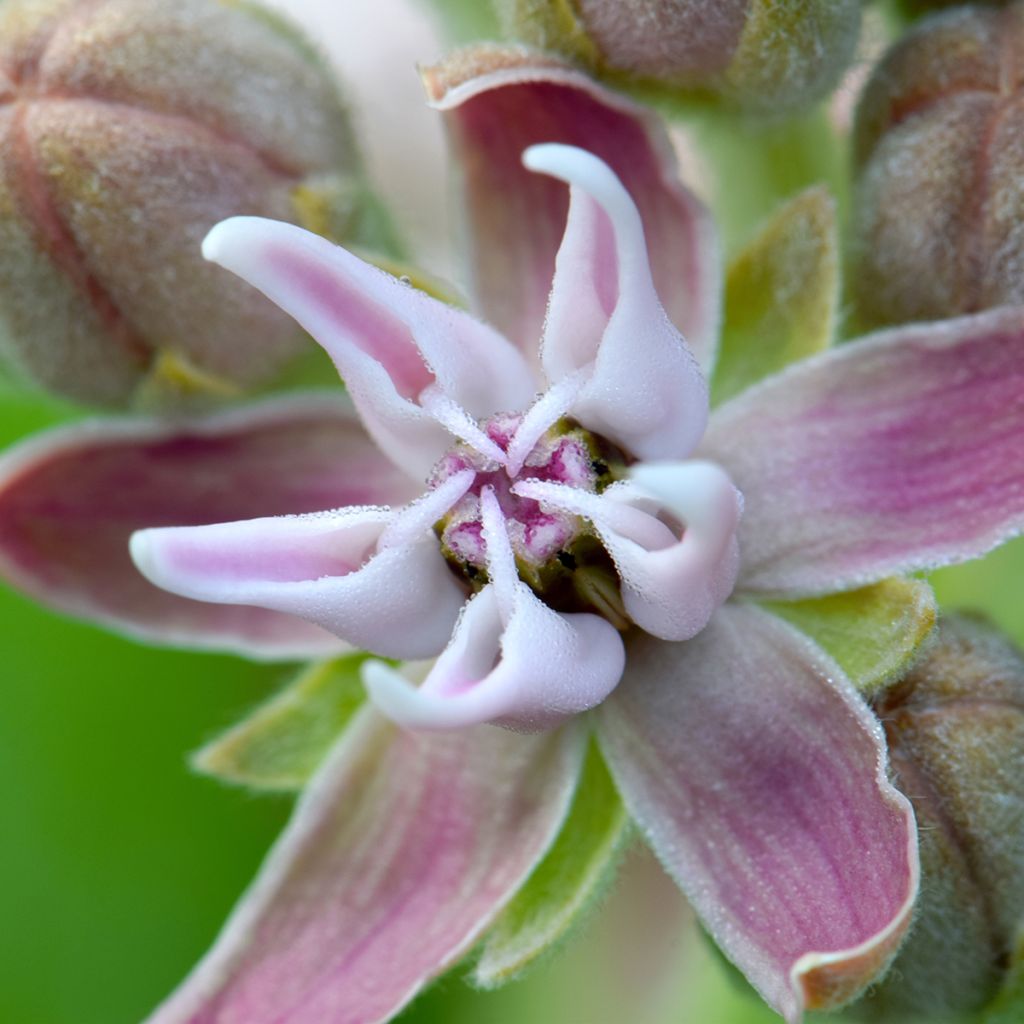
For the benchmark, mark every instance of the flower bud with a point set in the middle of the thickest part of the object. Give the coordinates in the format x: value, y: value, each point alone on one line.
x: 767, y: 56
x: 955, y: 727
x: 940, y: 152
x: 129, y: 128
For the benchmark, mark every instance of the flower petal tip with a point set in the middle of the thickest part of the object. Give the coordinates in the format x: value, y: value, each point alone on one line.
x: 140, y: 546
x: 413, y: 708
x: 223, y: 236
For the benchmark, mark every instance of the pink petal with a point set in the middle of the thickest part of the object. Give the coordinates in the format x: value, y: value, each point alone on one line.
x: 512, y: 661
x: 671, y: 584
x: 71, y: 497
x: 644, y: 389
x: 389, y: 340
x: 529, y: 673
x: 402, y: 851
x: 330, y: 568
x: 498, y: 101
x: 759, y: 778
x: 895, y: 453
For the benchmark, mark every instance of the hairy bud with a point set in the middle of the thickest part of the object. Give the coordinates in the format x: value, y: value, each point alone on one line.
x: 127, y: 130
x: 955, y: 726
x: 768, y: 56
x: 940, y: 150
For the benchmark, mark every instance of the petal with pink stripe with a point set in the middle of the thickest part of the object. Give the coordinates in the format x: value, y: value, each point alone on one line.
x: 328, y: 568
x: 498, y: 100
x: 759, y: 778
x: 898, y: 452
x: 389, y: 340
x: 643, y: 389
x: 71, y: 497
x: 402, y: 851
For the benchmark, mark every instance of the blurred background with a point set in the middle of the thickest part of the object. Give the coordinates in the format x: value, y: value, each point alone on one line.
x: 118, y: 865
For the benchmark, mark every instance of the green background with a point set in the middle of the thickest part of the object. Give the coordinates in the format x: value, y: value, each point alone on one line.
x: 117, y: 864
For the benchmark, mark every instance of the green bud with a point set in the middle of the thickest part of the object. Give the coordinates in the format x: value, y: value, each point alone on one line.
x: 955, y: 727
x: 940, y: 153
x: 129, y: 128
x: 766, y: 56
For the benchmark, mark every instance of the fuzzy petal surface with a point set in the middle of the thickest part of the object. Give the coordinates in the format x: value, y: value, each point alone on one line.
x: 400, y: 601
x: 498, y: 100
x: 403, y: 849
x: 71, y: 497
x: 530, y: 672
x: 899, y: 452
x: 759, y: 778
x: 644, y: 389
x: 389, y: 340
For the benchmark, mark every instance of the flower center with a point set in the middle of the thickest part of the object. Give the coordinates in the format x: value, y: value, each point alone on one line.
x: 556, y: 552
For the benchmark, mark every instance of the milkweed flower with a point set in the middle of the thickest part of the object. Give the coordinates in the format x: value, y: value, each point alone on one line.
x: 515, y: 505
x: 576, y: 562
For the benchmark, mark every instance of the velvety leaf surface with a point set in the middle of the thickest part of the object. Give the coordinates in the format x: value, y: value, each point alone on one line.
x: 565, y: 884
x: 873, y: 632
x: 781, y: 294
x: 281, y: 744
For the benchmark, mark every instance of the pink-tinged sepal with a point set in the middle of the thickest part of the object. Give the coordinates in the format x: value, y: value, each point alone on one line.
x: 644, y: 389
x: 341, y: 570
x: 389, y: 340
x: 403, y: 849
x: 760, y: 779
x: 512, y: 661
x: 900, y: 453
x: 71, y: 497
x: 499, y: 100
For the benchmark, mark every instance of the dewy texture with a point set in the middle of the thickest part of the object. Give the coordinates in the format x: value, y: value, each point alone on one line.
x: 555, y: 564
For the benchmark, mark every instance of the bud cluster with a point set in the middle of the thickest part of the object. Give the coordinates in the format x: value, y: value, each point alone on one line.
x: 128, y: 130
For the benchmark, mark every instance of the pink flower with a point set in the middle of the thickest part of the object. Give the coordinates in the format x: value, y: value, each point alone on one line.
x: 742, y: 750
x: 536, y: 498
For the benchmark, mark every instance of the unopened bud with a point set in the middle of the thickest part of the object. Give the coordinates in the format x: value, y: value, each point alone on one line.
x: 955, y: 727
x: 940, y: 151
x: 128, y: 129
x: 769, y: 56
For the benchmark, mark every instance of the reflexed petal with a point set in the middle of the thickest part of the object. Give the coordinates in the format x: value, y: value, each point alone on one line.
x: 900, y: 452
x: 71, y: 497
x: 759, y: 778
x: 645, y: 390
x: 399, y: 601
x: 401, y: 852
x: 512, y: 660
x: 388, y: 339
x: 670, y: 585
x: 498, y: 101
x: 528, y: 671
